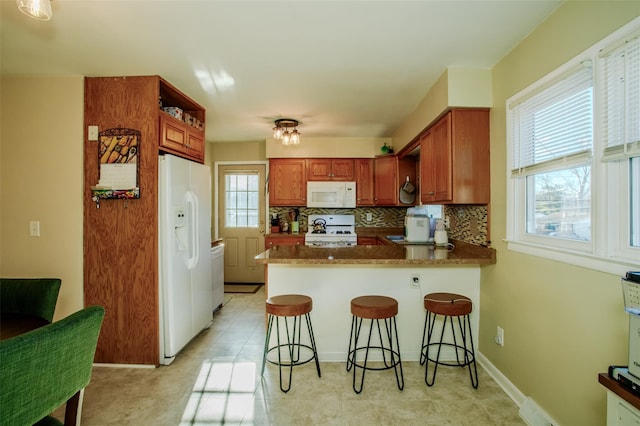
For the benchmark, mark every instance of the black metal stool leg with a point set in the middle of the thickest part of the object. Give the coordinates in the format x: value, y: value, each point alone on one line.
x: 437, y: 360
x: 473, y: 376
x: 266, y: 343
x: 290, y: 350
x: 396, y: 364
x: 366, y: 357
x: 313, y: 343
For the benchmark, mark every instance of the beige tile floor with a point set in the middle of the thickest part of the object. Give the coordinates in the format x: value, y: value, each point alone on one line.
x: 216, y: 380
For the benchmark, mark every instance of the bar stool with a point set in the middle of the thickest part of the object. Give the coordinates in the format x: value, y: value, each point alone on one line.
x: 284, y: 307
x: 375, y: 308
x: 448, y: 305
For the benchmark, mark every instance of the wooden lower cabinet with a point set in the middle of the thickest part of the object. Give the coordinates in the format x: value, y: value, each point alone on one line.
x: 371, y: 241
x: 282, y: 240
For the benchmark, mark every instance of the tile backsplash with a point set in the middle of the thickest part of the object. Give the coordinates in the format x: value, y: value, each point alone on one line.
x: 467, y: 223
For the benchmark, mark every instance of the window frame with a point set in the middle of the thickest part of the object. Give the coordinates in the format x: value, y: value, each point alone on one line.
x: 609, y: 249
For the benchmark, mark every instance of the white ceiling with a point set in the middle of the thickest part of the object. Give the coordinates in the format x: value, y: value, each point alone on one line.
x: 342, y: 68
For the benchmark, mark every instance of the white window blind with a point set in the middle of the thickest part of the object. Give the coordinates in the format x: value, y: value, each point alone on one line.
x: 620, y: 70
x: 555, y: 122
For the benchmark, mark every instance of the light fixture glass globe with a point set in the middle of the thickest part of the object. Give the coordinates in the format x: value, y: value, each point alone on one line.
x: 36, y: 9
x: 277, y: 132
x: 286, y: 138
x: 295, y: 137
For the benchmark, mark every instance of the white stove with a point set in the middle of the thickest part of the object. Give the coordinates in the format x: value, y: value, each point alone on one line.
x: 331, y: 230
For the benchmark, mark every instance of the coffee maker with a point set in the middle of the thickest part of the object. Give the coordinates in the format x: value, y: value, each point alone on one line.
x: 631, y: 293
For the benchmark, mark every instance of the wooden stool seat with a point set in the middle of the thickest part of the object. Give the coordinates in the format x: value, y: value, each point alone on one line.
x: 290, y: 351
x: 289, y: 305
x: 374, y: 307
x: 450, y: 304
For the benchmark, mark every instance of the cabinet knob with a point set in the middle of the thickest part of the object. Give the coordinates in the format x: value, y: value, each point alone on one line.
x: 431, y: 193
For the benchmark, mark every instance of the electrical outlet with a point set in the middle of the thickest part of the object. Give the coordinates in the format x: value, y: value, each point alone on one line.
x: 415, y: 280
x: 446, y: 221
x: 499, y: 336
x: 369, y: 217
x: 34, y: 228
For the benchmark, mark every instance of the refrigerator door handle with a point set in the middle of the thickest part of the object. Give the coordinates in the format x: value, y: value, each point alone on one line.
x: 192, y: 208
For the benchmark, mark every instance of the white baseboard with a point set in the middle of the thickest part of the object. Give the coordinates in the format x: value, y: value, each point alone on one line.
x: 509, y: 388
x: 530, y: 412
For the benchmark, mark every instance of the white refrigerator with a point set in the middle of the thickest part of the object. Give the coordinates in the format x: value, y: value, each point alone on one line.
x: 186, y: 292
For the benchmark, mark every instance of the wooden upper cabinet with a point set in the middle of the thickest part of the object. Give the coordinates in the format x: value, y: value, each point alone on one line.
x: 385, y: 171
x: 330, y: 169
x: 364, y: 181
x: 454, y: 159
x: 287, y: 182
x: 176, y: 136
x: 390, y: 173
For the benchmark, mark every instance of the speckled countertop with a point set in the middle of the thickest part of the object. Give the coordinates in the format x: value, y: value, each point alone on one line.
x: 390, y: 253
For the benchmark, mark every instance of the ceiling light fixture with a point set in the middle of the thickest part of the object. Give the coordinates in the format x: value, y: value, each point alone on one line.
x: 281, y: 131
x: 36, y: 9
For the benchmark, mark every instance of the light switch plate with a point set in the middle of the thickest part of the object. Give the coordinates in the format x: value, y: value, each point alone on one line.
x: 93, y: 133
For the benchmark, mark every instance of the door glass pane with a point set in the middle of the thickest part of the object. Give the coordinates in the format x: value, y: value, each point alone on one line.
x: 241, y: 200
x: 559, y: 203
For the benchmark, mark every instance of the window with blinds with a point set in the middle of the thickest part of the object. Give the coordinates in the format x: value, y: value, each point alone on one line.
x: 552, y: 131
x: 620, y: 93
x: 555, y: 123
x: 572, y: 138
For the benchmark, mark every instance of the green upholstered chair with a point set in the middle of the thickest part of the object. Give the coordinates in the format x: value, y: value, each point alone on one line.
x: 26, y: 303
x: 42, y: 369
x: 30, y: 296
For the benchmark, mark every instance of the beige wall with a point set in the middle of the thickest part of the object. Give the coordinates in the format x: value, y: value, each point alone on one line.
x: 327, y: 148
x: 41, y: 137
x: 456, y: 87
x: 563, y: 324
x: 243, y: 151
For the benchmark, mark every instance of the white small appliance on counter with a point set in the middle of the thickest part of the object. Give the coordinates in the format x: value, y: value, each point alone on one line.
x: 327, y: 194
x: 631, y: 293
x: 417, y: 226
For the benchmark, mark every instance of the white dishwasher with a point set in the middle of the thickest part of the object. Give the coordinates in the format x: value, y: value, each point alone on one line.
x: 217, y: 275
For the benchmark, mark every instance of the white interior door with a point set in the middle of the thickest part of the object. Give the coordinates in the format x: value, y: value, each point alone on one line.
x: 241, y: 220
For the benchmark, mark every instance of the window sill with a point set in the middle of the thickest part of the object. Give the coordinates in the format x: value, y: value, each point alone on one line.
x: 608, y: 265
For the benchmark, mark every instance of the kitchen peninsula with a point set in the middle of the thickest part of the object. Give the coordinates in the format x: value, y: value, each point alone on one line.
x: 334, y: 276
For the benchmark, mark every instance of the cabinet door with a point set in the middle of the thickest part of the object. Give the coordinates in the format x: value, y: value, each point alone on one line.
x: 195, y: 145
x: 427, y: 168
x: 281, y: 240
x: 385, y: 177
x: 287, y: 182
x: 368, y: 241
x: 172, y: 134
x: 180, y: 138
x: 319, y: 169
x: 342, y: 169
x: 442, y: 173
x: 364, y: 181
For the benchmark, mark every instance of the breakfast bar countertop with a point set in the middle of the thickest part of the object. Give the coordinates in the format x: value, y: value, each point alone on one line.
x: 462, y: 254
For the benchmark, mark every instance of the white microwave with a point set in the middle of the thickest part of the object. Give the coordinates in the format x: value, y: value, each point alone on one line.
x: 331, y: 194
